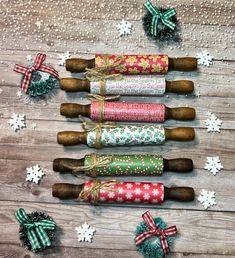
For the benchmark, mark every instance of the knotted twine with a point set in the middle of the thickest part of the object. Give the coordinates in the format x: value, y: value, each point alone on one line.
x: 93, y: 192
x: 90, y: 169
x: 89, y: 126
x: 102, y: 73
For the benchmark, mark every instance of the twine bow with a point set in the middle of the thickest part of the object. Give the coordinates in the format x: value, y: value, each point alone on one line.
x: 163, y: 16
x: 35, y: 230
x: 154, y: 230
x: 102, y: 73
x: 27, y: 71
x: 93, y: 192
x: 90, y: 169
x: 89, y: 126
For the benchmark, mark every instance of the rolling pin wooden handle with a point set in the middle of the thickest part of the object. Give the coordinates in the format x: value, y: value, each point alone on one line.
x: 69, y: 138
x: 181, y: 113
x: 66, y: 191
x: 71, y: 191
x: 78, y: 65
x: 78, y: 85
x: 74, y: 110
x: 74, y: 84
x: 180, y: 87
x: 186, y: 64
x: 182, y: 194
x: 180, y: 134
x: 66, y: 165
x: 181, y: 165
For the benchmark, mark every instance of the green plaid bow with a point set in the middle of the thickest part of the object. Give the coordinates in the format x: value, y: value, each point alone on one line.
x: 35, y: 230
x: 158, y: 15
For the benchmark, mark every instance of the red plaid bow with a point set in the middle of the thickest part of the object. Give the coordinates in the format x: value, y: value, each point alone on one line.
x: 154, y: 230
x: 27, y: 71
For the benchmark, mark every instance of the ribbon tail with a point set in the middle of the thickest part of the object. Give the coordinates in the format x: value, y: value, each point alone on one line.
x: 165, y: 245
x: 50, y: 70
x: 44, y: 239
x: 166, y: 21
x: 154, y: 25
x: 26, y: 82
x: 33, y: 240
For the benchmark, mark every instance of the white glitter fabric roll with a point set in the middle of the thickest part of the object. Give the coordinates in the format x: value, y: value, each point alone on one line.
x: 146, y: 85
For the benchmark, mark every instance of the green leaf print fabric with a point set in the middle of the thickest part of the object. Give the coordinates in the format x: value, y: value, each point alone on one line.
x: 128, y: 135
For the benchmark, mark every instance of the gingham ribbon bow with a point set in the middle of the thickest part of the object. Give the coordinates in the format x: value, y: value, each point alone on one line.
x: 27, y: 71
x: 164, y: 17
x: 154, y: 230
x: 35, y: 230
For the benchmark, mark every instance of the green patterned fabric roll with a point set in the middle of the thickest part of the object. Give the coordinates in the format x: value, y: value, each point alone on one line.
x: 124, y: 165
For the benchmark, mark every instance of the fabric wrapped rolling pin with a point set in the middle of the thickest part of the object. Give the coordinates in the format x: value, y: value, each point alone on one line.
x: 108, y: 134
x: 132, y: 85
x: 131, y: 64
x: 121, y: 165
x: 101, y: 110
x: 113, y: 191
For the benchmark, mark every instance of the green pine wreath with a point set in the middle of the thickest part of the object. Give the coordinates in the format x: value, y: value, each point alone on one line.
x: 41, y: 83
x: 151, y: 247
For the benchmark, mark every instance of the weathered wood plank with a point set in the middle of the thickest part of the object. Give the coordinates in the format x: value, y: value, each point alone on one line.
x: 217, y: 13
x: 13, y: 180
x: 16, y: 251
x: 115, y: 227
x: 100, y: 37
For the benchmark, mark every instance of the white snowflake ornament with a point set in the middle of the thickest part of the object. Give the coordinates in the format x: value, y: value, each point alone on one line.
x: 124, y: 28
x: 17, y: 122
x: 207, y: 198
x: 63, y: 57
x: 213, y: 164
x: 19, y: 93
x: 204, y: 58
x: 213, y: 123
x: 85, y: 233
x: 34, y: 174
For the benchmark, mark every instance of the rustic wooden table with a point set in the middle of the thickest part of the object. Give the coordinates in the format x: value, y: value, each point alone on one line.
x: 84, y: 28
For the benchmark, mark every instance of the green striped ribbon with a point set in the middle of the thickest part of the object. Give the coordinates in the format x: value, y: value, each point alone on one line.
x: 35, y: 230
x: 164, y: 17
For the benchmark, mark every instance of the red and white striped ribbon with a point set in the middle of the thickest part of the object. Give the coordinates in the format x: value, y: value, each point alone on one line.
x: 27, y: 71
x: 154, y: 230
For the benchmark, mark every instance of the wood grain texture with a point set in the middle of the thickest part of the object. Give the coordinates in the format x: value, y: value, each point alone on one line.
x: 85, y: 28
x: 123, y: 222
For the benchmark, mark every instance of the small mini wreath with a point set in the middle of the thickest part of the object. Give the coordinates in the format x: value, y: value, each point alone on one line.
x: 43, y: 227
x: 38, y: 79
x: 42, y: 83
x: 153, y: 238
x: 161, y: 25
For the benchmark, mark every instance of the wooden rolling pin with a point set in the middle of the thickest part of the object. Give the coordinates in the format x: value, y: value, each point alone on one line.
x: 133, y: 64
x: 116, y: 87
x: 140, y: 135
x: 123, y: 192
x: 126, y: 111
x: 121, y: 165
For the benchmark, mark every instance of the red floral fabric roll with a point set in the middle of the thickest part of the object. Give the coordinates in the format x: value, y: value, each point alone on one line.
x: 135, y: 64
x: 122, y: 111
x: 130, y: 192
